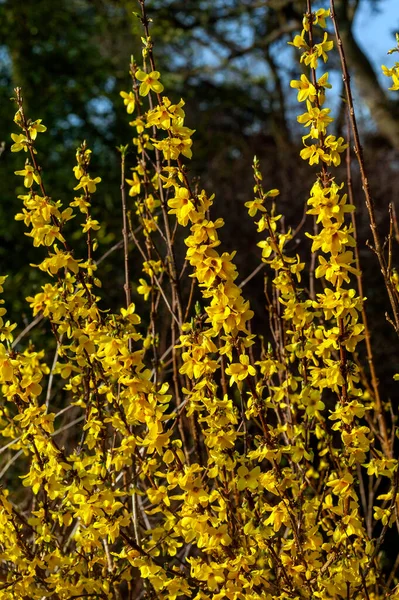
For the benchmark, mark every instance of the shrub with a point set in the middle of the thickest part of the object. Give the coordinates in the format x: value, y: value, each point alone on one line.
x: 180, y: 454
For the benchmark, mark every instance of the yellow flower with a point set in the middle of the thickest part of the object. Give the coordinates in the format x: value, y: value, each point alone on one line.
x: 156, y: 438
x: 91, y: 224
x: 135, y: 184
x: 156, y: 496
x: 20, y: 142
x: 149, y: 82
x: 88, y: 183
x: 317, y: 18
x: 240, y: 371
x: 323, y: 84
x: 174, y: 146
x: 315, y: 118
x: 247, y: 478
x: 35, y: 128
x: 182, y: 146
x: 342, y: 485
x: 336, y: 269
x: 278, y: 517
x: 306, y: 89
x: 332, y: 238
x: 219, y: 536
x: 78, y: 171
x: 299, y: 41
x: 30, y: 175
x: 182, y: 206
x: 314, y: 154
x: 325, y: 46
x: 144, y: 289
x: 336, y: 147
x: 320, y: 17
x: 129, y: 101
x: 59, y: 260
x: 255, y: 205
x: 394, y: 74
x: 6, y: 368
x: 327, y: 204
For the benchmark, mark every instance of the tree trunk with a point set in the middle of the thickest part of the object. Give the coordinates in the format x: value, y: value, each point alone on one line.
x: 368, y: 87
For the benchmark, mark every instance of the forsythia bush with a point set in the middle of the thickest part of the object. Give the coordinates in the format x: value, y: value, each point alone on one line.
x: 226, y: 465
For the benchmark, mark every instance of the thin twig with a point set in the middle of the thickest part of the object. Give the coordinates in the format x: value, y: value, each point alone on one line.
x: 125, y: 232
x: 11, y: 462
x: 51, y: 376
x: 367, y: 335
x: 365, y: 184
x: 27, y: 329
x: 252, y: 275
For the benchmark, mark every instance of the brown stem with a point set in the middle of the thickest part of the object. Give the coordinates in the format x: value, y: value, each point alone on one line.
x: 170, y: 249
x: 125, y: 234
x: 367, y: 336
x: 365, y: 184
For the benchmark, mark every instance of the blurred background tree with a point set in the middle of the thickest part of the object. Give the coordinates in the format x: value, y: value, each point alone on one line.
x: 71, y: 60
x: 229, y: 60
